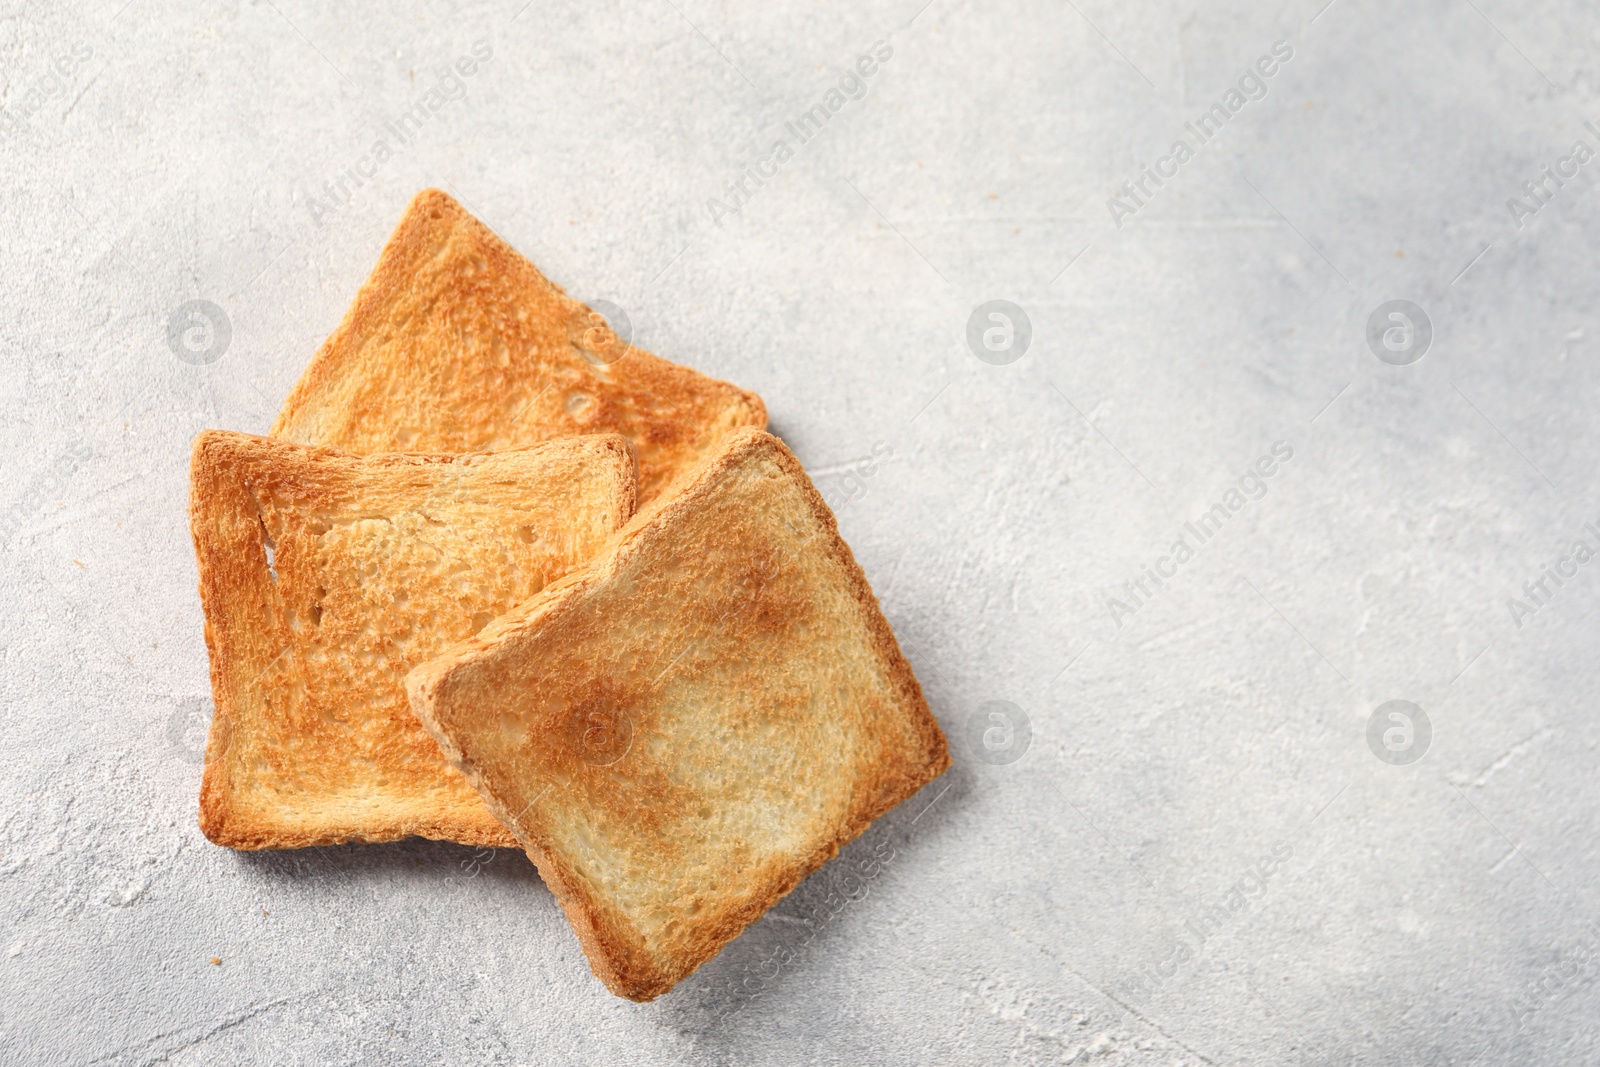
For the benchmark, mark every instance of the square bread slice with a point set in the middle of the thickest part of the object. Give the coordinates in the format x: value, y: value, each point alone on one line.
x: 325, y: 577
x: 684, y: 729
x: 456, y: 343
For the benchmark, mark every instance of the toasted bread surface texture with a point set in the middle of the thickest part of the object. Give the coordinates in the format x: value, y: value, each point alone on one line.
x: 683, y: 730
x: 457, y: 343
x: 324, y: 577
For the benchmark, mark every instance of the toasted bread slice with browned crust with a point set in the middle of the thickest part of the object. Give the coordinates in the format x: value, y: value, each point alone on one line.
x: 456, y: 343
x: 683, y: 730
x: 325, y: 577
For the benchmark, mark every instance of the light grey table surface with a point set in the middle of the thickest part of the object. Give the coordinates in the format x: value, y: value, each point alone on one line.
x: 1178, y: 845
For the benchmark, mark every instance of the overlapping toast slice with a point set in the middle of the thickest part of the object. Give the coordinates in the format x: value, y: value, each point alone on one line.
x: 456, y: 343
x: 684, y: 729
x: 325, y: 577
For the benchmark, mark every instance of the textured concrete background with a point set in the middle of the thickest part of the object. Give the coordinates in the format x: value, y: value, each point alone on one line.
x: 1177, y: 843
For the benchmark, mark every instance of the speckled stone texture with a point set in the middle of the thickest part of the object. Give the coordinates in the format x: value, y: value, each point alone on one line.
x: 1185, y: 825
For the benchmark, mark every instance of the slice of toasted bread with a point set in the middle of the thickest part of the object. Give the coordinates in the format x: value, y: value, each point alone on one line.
x: 456, y: 343
x: 324, y: 577
x: 681, y: 731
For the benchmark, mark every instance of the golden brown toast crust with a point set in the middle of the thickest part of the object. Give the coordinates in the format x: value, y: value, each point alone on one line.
x: 324, y: 577
x: 767, y: 716
x: 456, y: 343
